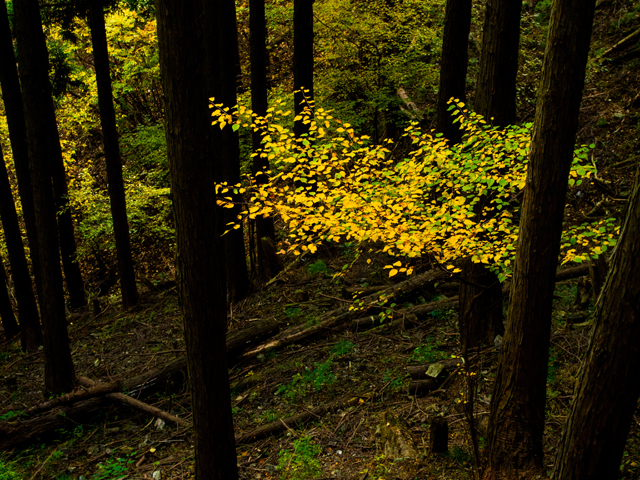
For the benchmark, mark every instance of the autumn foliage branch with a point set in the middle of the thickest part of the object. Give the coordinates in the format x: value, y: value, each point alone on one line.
x: 415, y: 197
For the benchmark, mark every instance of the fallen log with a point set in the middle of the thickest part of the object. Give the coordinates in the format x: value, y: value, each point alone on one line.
x: 76, y: 396
x: 137, y: 404
x: 350, y: 292
x: 282, y: 424
x: 626, y: 41
x: 16, y: 433
x: 335, y: 318
x: 237, y: 342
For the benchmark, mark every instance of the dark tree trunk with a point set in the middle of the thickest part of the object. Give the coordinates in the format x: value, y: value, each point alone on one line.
x: 480, y: 309
x: 40, y: 123
x: 112, y: 155
x: 27, y: 308
x: 496, y: 91
x: 302, y: 59
x: 184, y: 57
x: 9, y: 324
x: 609, y: 385
x: 67, y: 242
x: 72, y: 274
x: 516, y: 422
x: 453, y: 66
x: 264, y: 226
x: 12, y: 97
x: 223, y: 88
x: 259, y: 88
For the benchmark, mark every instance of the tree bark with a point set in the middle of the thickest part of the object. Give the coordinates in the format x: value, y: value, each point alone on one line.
x: 480, y: 316
x: 42, y: 140
x: 26, y: 300
x: 453, y: 66
x: 14, y: 108
x: 516, y: 422
x: 302, y: 60
x: 49, y: 133
x: 259, y: 104
x: 185, y: 64
x: 223, y: 87
x: 607, y: 391
x: 9, y: 324
x: 112, y: 155
x: 496, y: 91
x: 70, y: 265
x: 259, y: 88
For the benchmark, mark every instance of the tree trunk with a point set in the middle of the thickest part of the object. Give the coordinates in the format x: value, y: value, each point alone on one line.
x: 496, y: 91
x: 112, y: 155
x: 27, y: 308
x: 11, y: 328
x: 264, y: 225
x: 185, y: 66
x: 453, y: 66
x: 223, y: 87
x: 516, y: 422
x: 12, y: 97
x: 40, y: 120
x: 480, y: 316
x: 49, y: 133
x: 609, y: 383
x: 302, y: 60
x: 72, y: 274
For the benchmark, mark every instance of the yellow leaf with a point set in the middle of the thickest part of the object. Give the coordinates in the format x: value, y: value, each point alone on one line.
x: 397, y: 264
x: 393, y: 272
x: 313, y: 248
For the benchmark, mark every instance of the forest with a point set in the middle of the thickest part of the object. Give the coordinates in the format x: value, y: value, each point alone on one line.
x: 314, y: 239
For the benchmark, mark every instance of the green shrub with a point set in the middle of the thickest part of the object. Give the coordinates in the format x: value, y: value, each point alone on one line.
x: 301, y: 463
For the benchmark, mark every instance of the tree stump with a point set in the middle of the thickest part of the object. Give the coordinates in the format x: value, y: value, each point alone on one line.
x: 439, y: 435
x: 396, y: 437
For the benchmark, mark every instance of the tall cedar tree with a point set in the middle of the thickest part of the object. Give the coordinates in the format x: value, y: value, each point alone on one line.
x: 265, y: 230
x: 27, y: 309
x: 222, y: 85
x: 453, y: 65
x: 184, y: 68
x: 42, y: 136
x: 9, y: 324
x: 302, y: 59
x: 14, y: 109
x: 496, y: 91
x: 112, y: 155
x: 72, y: 274
x: 67, y: 241
x: 516, y: 422
x: 609, y: 383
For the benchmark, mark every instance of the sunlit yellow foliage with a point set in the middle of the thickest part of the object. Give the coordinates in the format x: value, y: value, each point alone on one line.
x: 413, y: 198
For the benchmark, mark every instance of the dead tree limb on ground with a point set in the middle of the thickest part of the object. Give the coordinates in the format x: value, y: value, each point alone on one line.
x: 282, y: 424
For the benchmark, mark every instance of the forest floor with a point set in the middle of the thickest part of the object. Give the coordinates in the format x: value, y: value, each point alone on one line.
x: 360, y: 371
x: 366, y: 365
